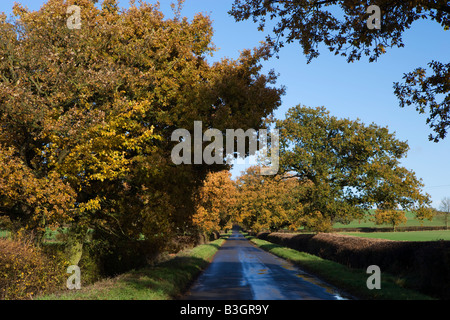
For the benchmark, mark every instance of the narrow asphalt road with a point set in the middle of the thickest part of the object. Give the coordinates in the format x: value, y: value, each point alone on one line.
x: 241, y: 271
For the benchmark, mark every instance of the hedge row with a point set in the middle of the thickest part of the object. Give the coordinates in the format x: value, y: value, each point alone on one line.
x: 27, y: 271
x: 426, y: 265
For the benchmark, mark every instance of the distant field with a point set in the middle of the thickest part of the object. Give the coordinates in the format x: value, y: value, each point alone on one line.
x: 50, y: 235
x: 412, y: 222
x: 405, y: 236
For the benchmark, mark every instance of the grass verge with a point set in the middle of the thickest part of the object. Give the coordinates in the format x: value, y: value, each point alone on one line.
x: 165, y: 281
x: 351, y: 281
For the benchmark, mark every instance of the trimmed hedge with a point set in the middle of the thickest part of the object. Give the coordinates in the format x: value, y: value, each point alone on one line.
x: 426, y: 265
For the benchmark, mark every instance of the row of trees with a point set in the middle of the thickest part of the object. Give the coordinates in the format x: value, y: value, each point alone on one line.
x: 332, y: 170
x: 86, y: 118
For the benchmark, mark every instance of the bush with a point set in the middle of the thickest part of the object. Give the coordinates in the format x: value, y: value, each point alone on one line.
x: 25, y: 271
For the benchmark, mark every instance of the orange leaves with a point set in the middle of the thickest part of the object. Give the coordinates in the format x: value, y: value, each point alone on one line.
x: 266, y: 203
x: 95, y: 108
x: 215, y: 202
x: 27, y: 272
x: 40, y: 199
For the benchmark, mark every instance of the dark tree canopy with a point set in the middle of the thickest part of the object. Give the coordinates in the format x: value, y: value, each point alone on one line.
x: 342, y: 27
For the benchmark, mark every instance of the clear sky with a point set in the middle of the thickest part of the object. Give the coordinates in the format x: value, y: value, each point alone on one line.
x: 359, y: 90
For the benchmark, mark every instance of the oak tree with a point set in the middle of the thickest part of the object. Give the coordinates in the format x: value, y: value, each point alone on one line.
x: 341, y: 26
x: 348, y: 167
x: 393, y: 217
x: 87, y: 115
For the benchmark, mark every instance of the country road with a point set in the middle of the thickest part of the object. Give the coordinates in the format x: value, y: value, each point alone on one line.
x: 241, y: 271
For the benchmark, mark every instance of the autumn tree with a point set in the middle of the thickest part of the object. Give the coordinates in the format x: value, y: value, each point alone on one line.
x: 216, y: 200
x: 445, y: 208
x: 89, y: 113
x: 341, y: 26
x: 393, y: 217
x: 266, y: 202
x: 347, y: 166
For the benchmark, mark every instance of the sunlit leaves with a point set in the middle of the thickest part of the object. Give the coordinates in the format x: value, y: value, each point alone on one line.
x: 37, y: 202
x: 266, y: 202
x: 391, y: 217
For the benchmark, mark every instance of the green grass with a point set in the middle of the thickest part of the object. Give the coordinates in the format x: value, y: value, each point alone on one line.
x: 405, y: 236
x: 164, y: 281
x: 438, y: 221
x: 352, y: 281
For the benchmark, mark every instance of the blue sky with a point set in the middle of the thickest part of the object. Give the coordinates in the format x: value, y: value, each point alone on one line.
x: 359, y: 90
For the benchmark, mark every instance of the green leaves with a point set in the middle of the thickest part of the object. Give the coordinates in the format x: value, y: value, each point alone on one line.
x: 348, y: 166
x: 332, y: 170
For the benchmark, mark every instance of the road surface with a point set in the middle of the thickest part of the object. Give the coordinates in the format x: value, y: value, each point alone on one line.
x: 241, y: 271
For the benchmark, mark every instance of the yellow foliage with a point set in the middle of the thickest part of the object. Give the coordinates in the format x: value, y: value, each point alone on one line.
x: 26, y: 272
x: 266, y: 203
